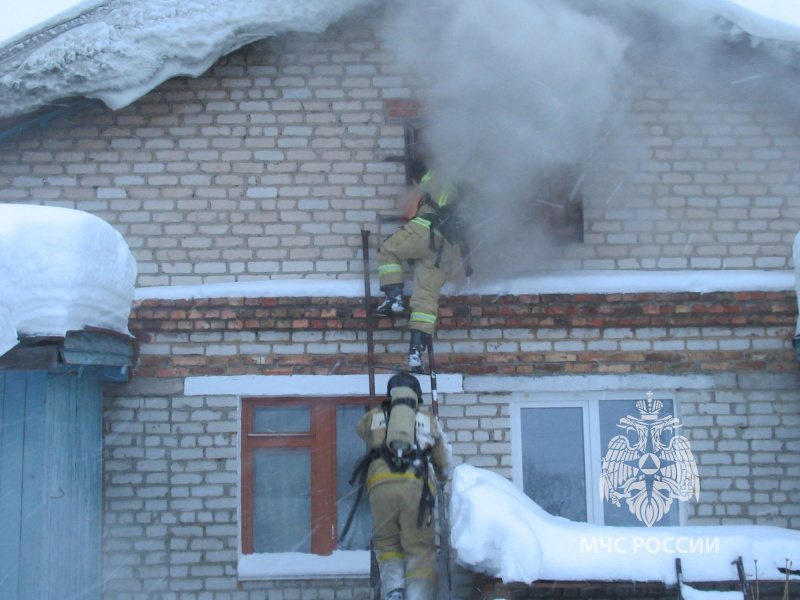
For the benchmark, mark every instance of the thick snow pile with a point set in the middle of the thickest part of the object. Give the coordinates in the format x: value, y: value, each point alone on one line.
x: 61, y: 270
x: 497, y: 529
x: 131, y: 46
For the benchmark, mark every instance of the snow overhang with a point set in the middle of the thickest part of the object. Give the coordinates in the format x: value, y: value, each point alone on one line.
x: 61, y: 271
x: 117, y: 51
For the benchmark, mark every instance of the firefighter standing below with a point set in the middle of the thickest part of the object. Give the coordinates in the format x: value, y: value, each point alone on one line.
x: 401, y: 491
x: 427, y: 240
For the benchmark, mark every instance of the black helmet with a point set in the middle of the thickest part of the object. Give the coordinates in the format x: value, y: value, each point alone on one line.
x: 404, y: 379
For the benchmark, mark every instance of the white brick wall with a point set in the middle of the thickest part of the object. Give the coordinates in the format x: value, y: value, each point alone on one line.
x: 270, y: 164
x: 172, y: 480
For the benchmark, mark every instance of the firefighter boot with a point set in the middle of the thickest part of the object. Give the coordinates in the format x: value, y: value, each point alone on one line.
x: 398, y: 594
x: 392, y: 572
x: 419, y: 343
x: 394, y: 301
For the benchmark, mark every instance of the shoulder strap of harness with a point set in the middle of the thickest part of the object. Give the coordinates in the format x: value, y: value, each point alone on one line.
x: 435, y: 219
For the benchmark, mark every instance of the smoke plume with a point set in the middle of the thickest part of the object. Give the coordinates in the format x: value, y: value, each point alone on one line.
x: 510, y: 90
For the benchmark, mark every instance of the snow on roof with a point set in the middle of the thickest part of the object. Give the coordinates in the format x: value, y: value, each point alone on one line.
x: 767, y: 19
x: 61, y: 270
x: 124, y: 48
x: 118, y: 50
x: 26, y: 18
x: 495, y: 528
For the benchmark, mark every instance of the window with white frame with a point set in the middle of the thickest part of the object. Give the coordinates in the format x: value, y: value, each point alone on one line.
x: 561, y: 440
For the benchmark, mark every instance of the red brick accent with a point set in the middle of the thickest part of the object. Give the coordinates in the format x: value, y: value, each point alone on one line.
x: 731, y: 310
x: 403, y: 109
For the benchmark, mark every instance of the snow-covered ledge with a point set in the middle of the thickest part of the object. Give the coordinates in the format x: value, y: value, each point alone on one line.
x: 298, y: 565
x: 305, y: 385
x: 538, y: 282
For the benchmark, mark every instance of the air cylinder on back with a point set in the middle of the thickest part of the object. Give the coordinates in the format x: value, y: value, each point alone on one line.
x: 402, y: 420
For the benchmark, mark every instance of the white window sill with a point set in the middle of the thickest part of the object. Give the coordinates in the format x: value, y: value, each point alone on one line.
x: 297, y: 565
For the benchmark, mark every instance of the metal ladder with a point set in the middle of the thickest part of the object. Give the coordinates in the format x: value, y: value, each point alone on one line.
x: 444, y: 581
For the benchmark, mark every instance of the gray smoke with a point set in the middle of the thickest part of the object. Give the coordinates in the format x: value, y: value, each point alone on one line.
x: 510, y: 89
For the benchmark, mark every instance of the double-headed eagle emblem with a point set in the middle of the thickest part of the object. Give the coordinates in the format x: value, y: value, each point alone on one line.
x: 648, y: 473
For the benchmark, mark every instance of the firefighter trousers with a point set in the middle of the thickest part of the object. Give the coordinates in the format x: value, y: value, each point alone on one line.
x: 406, y: 554
x: 412, y: 241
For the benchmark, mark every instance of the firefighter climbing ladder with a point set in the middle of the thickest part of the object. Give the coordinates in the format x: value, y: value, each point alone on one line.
x: 444, y: 584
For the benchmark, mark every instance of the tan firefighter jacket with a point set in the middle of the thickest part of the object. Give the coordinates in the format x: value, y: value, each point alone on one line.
x: 372, y: 429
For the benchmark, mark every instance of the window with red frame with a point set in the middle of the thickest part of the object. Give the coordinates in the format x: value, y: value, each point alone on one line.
x: 297, y: 457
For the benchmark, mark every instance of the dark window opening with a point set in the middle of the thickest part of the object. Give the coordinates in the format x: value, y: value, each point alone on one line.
x: 557, y: 189
x: 413, y: 155
x: 558, y: 201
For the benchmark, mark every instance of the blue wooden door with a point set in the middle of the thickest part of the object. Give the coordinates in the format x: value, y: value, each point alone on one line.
x: 50, y: 485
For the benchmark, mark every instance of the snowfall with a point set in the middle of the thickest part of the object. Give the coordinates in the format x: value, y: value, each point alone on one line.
x: 64, y: 270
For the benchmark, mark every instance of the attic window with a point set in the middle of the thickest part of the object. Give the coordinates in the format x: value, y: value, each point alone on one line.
x: 557, y: 189
x: 412, y: 162
x: 412, y: 154
x: 558, y: 201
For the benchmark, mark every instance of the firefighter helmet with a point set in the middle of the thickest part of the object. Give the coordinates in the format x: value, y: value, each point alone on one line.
x: 404, y: 379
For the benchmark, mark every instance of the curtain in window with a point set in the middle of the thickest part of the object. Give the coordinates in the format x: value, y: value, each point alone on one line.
x: 349, y: 450
x: 282, y: 504
x: 554, y: 472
